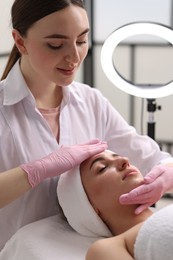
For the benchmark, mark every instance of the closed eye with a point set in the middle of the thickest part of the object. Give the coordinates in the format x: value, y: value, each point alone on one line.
x: 102, y: 169
x: 81, y: 42
x: 54, y: 47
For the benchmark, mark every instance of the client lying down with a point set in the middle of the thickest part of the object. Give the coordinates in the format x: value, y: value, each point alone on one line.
x: 90, y: 202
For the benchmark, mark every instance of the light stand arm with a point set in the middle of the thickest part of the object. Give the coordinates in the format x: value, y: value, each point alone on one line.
x: 151, y: 108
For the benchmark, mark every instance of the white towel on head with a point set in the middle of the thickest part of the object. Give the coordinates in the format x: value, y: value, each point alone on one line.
x: 77, y: 208
x: 155, y: 238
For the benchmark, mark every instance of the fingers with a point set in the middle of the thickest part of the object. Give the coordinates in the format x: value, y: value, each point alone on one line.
x: 98, y: 148
x: 153, y: 174
x: 94, y: 141
x: 141, y: 208
x: 92, y: 147
x: 136, y: 196
x: 76, y: 154
x: 141, y: 200
x: 95, y: 146
x: 125, y: 199
x: 148, y: 193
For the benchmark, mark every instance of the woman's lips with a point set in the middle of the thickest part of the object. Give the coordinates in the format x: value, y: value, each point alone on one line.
x: 67, y: 72
x: 129, y: 172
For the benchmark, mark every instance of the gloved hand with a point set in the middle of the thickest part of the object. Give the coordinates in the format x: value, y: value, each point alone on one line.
x: 61, y: 160
x: 156, y: 183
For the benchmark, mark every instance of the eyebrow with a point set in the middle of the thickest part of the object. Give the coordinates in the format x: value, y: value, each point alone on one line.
x: 61, y: 36
x: 101, y: 159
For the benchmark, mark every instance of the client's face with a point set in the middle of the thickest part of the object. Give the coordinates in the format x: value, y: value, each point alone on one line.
x: 106, y: 176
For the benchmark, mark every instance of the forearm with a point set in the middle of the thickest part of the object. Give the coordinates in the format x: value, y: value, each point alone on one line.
x: 13, y: 184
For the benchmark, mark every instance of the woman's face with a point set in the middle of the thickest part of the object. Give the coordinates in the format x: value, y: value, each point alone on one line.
x: 56, y: 45
x: 106, y: 176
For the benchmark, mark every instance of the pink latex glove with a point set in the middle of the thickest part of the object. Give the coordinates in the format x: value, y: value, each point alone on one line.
x: 156, y: 183
x: 61, y: 160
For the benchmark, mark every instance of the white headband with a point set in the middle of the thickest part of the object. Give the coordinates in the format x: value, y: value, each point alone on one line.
x: 77, y: 208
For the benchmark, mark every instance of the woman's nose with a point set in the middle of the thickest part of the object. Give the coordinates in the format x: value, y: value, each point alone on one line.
x: 73, y: 55
x: 122, y: 163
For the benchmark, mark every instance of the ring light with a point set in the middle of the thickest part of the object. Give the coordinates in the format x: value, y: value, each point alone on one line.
x: 144, y: 91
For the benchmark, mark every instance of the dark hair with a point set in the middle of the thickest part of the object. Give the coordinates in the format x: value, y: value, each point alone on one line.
x: 25, y: 13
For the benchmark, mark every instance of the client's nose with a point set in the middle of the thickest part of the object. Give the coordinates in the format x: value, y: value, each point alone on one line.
x: 122, y: 163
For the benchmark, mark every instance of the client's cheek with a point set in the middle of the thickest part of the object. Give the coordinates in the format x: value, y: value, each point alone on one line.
x: 138, y: 182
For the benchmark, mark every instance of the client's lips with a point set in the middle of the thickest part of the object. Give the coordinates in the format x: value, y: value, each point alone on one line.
x: 129, y: 172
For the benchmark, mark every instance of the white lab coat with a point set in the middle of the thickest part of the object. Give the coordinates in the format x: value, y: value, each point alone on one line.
x: 25, y: 136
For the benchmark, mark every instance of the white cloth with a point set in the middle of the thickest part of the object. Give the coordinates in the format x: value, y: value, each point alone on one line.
x: 47, y: 239
x: 77, y: 208
x: 25, y: 136
x: 155, y: 238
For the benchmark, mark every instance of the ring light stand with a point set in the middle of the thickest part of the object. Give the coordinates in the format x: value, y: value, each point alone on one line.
x: 150, y: 92
x: 151, y: 108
